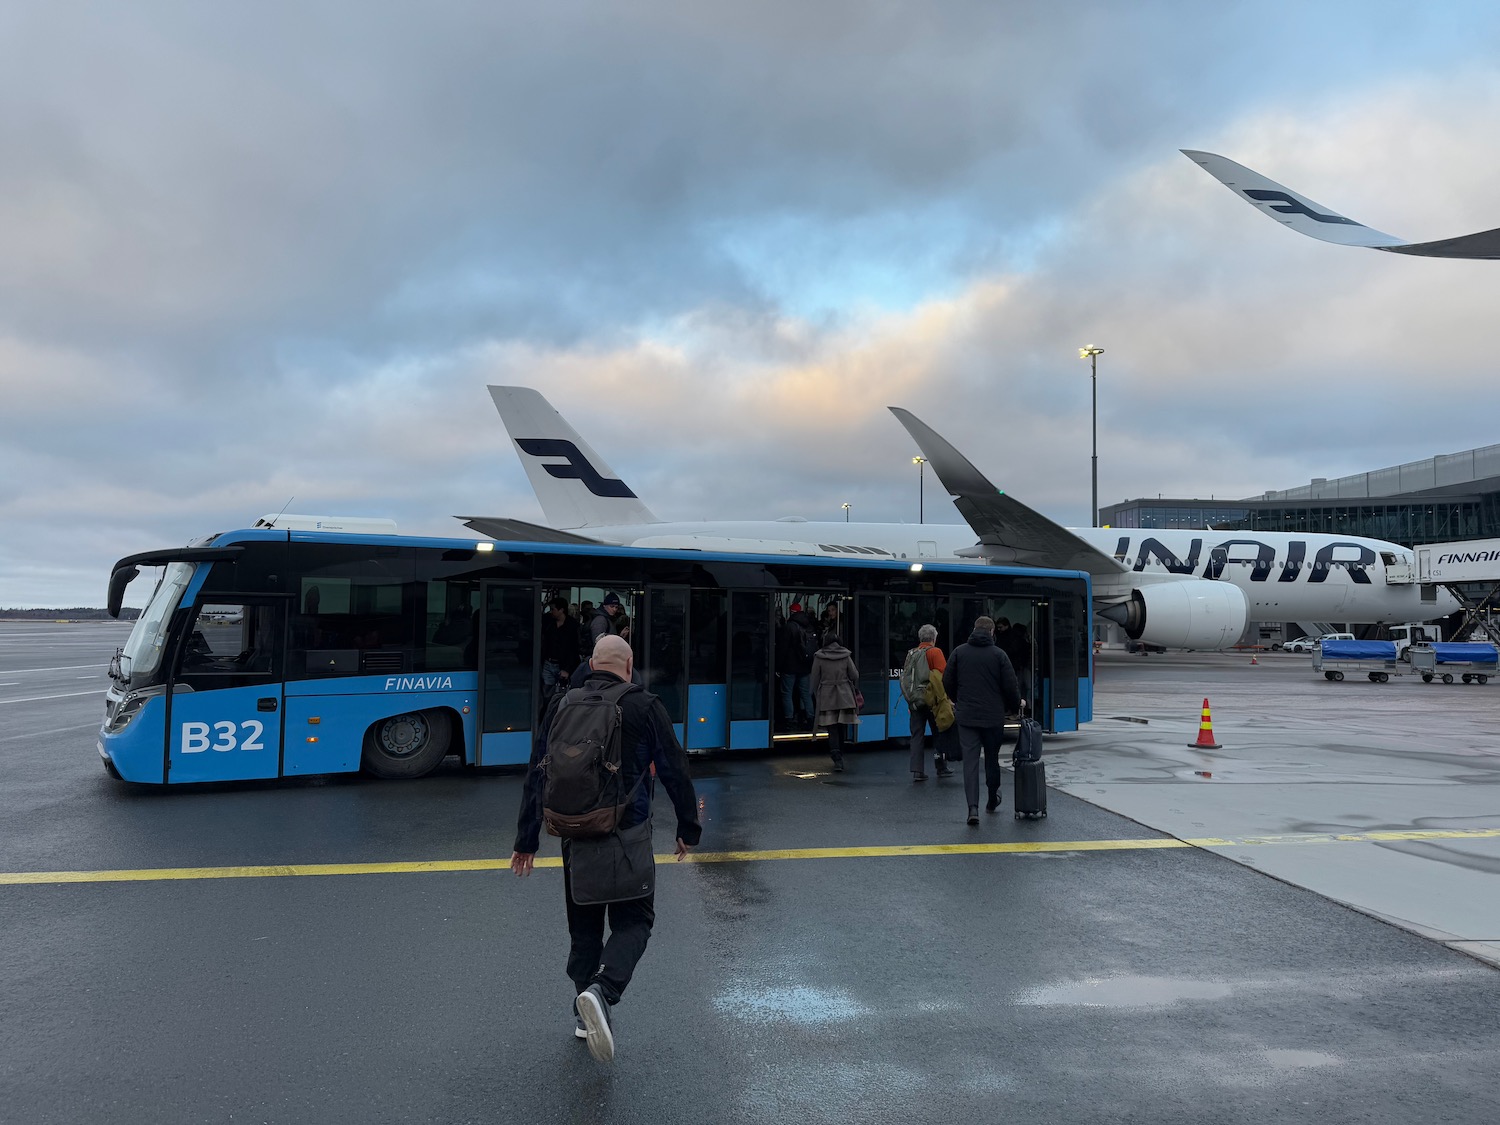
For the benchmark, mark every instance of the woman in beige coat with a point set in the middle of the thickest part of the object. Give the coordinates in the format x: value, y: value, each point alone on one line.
x: 835, y: 689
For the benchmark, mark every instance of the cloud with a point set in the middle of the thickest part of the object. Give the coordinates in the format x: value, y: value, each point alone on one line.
x: 277, y: 252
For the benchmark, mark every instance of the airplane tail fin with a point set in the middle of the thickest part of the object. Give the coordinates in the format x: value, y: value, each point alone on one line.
x: 572, y: 483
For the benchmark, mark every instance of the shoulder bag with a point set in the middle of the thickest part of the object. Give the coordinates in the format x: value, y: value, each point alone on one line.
x: 615, y: 867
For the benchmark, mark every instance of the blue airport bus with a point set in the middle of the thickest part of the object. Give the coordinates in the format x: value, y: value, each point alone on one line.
x: 274, y: 653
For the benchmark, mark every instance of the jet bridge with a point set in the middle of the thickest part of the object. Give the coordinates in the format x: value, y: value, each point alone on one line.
x: 1470, y: 570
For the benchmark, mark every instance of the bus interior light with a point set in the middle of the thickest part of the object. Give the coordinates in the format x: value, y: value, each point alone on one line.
x: 916, y: 568
x: 484, y: 546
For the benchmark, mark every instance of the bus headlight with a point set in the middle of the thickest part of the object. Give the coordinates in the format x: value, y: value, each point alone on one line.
x: 120, y: 717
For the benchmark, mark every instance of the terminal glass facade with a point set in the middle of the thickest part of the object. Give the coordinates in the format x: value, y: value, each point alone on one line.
x: 1404, y: 520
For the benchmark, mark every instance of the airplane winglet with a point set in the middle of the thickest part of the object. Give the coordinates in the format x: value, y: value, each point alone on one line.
x: 1008, y: 530
x: 1303, y: 215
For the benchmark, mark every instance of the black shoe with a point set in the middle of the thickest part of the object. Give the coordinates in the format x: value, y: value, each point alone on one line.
x: 593, y: 1010
x: 921, y: 776
x: 838, y: 763
x: 994, y: 802
x: 942, y: 769
x: 973, y: 814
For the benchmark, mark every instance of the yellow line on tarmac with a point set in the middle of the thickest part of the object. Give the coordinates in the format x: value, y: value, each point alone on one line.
x: 158, y: 874
x: 1375, y: 837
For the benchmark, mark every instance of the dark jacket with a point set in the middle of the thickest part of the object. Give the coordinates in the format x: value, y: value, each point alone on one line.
x: 560, y: 642
x: 646, y: 738
x: 981, y: 683
x: 1016, y: 644
x: 793, y: 656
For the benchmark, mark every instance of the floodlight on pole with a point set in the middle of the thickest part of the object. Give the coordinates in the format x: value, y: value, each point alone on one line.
x: 1092, y: 354
x: 921, y: 464
x: 846, y: 512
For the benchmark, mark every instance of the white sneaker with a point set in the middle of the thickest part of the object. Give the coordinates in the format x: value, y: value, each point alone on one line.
x: 593, y: 1010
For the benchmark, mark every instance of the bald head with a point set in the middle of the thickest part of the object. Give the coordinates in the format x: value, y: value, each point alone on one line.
x: 612, y: 654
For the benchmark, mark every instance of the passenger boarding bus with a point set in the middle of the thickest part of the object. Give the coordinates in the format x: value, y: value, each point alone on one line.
x: 272, y: 653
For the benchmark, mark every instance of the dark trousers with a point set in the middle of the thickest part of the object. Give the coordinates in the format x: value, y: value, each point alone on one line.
x: 972, y: 739
x: 610, y: 963
x: 922, y: 720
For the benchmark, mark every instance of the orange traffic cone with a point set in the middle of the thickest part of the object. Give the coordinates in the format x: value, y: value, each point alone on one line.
x: 1205, y: 732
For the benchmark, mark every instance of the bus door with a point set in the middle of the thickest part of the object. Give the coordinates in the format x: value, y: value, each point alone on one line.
x: 750, y: 644
x: 884, y: 712
x: 509, y: 671
x: 1068, y: 687
x: 708, y: 671
x: 1026, y: 621
x: 225, y: 721
x: 662, y: 650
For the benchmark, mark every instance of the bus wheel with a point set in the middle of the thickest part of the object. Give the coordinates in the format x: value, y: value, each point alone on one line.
x: 409, y: 745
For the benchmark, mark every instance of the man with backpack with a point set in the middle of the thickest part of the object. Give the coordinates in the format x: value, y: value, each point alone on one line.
x: 917, y: 688
x: 575, y: 787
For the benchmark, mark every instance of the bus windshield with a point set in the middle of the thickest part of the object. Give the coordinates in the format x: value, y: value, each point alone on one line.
x: 143, y: 651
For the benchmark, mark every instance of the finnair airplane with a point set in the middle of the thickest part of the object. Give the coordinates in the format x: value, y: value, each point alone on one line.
x: 1189, y: 589
x: 1316, y: 221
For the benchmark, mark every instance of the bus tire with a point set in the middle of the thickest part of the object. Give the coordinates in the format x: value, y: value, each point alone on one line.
x: 409, y: 745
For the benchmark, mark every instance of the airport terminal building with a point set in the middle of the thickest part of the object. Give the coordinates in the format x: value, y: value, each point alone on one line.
x: 1452, y: 496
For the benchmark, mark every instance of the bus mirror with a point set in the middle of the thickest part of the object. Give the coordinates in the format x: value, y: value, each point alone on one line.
x: 117, y: 582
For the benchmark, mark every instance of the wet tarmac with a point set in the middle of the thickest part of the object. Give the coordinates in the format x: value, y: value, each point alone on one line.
x: 1300, y: 755
x: 1126, y: 979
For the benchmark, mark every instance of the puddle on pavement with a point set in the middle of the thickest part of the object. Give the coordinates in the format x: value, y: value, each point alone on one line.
x: 1124, y: 992
x: 800, y: 1005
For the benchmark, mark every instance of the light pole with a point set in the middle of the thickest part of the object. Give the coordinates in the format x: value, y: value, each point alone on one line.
x: 921, y: 464
x: 846, y: 512
x: 1092, y: 354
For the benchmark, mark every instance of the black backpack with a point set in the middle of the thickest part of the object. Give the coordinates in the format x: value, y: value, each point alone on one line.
x: 582, y: 787
x: 810, y: 642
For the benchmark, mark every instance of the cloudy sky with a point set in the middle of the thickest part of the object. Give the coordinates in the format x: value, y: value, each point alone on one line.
x: 253, y: 253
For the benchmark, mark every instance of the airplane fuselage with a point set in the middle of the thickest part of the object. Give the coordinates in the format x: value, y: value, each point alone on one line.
x: 1284, y: 576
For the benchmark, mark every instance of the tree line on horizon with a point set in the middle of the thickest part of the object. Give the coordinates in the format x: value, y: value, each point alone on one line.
x: 72, y: 613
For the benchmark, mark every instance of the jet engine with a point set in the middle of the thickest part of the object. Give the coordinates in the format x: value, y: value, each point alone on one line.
x: 1195, y: 614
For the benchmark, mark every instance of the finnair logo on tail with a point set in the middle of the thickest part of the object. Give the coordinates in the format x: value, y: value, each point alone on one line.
x: 1289, y: 206
x: 577, y: 467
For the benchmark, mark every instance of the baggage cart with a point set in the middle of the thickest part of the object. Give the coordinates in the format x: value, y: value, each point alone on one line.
x: 1375, y: 659
x: 1474, y: 663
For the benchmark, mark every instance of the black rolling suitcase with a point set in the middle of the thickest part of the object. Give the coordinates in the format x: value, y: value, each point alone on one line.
x: 1031, y: 789
x: 1031, y: 772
